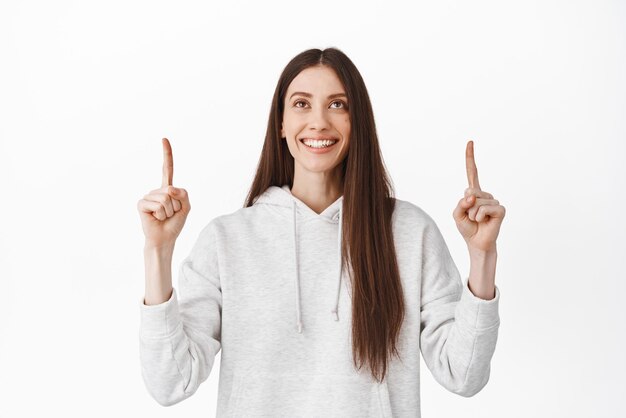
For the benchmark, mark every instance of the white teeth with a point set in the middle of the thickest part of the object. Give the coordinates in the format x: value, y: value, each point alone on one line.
x: 313, y: 143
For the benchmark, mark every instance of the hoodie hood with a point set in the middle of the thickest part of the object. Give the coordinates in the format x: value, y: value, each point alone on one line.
x: 282, y: 197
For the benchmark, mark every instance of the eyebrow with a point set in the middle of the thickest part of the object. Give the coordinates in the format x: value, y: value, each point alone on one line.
x: 304, y: 93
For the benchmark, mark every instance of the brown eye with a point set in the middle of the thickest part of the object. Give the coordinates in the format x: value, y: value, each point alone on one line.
x: 343, y: 105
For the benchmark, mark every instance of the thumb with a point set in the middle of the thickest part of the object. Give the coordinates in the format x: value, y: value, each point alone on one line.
x: 469, y: 201
x: 460, y: 212
x: 181, y: 196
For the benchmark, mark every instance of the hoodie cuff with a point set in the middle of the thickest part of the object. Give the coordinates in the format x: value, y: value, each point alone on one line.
x: 481, y: 314
x: 162, y: 320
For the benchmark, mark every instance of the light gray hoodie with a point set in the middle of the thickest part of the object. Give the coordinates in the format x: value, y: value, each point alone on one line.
x: 264, y: 284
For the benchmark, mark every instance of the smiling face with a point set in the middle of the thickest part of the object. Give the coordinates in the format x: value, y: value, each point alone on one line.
x: 316, y: 107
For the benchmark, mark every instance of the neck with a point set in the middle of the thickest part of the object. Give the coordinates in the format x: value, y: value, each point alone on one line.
x: 317, y: 190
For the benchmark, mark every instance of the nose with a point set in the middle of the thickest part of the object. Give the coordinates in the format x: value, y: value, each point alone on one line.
x: 319, y: 119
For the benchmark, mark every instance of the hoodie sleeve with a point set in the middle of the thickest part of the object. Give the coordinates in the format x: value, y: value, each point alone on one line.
x: 179, y: 338
x: 458, y: 330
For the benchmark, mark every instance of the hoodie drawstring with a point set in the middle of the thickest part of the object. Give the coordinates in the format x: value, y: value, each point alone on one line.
x: 295, y: 249
x: 335, y: 309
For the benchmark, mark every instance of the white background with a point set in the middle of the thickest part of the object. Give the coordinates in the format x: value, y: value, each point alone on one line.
x: 88, y: 89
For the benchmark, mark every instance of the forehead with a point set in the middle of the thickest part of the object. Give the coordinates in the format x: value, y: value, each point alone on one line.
x: 319, y: 79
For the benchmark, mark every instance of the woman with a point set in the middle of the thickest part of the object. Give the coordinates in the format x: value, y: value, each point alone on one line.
x: 320, y: 273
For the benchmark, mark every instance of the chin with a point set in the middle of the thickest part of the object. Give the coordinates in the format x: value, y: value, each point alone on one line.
x: 319, y: 168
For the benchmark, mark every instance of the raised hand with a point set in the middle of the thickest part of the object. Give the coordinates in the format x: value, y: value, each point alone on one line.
x: 163, y: 211
x: 479, y: 219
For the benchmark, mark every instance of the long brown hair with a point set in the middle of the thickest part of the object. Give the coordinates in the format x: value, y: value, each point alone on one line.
x: 368, y: 203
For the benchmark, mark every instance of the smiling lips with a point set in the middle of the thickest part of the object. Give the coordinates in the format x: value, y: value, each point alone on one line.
x: 318, y: 143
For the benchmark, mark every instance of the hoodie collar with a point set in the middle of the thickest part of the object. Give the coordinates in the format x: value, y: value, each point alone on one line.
x: 281, y: 196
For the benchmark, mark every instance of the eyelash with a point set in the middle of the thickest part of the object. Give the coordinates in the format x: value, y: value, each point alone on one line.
x: 336, y: 101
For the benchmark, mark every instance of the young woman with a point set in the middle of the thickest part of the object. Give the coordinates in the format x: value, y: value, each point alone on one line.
x: 320, y: 273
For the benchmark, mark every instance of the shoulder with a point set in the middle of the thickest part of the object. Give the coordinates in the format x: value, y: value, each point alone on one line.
x: 236, y: 221
x: 414, y: 228
x: 410, y: 215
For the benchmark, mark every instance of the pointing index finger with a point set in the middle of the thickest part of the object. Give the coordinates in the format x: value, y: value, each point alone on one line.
x: 168, y: 163
x: 470, y: 165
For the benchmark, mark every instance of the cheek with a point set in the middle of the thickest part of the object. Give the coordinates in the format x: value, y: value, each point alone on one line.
x: 344, y: 124
x: 293, y: 124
